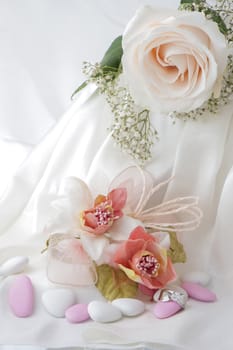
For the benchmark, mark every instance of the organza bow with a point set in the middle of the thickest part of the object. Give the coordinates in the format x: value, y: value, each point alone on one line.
x: 179, y: 214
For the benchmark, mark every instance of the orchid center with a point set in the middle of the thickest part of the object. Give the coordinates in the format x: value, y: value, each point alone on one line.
x: 147, y: 264
x: 103, y: 214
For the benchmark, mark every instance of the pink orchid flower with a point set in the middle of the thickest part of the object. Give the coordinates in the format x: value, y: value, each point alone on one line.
x: 144, y: 261
x: 106, y: 210
x: 96, y: 221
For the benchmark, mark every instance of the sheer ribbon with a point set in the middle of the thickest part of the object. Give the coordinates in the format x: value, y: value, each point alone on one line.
x: 68, y: 263
x: 179, y: 214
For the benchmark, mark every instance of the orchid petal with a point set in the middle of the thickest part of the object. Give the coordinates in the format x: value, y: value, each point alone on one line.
x: 138, y: 184
x: 131, y: 274
x: 108, y: 254
x: 122, y: 227
x: 90, y: 220
x: 118, y: 198
x: 94, y: 245
x: 100, y: 199
x: 63, y: 215
x: 140, y: 233
x: 98, y: 231
x: 77, y: 192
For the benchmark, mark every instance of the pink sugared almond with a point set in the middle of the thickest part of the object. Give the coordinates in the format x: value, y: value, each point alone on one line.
x: 166, y: 309
x: 21, y: 296
x: 77, y: 313
x: 198, y: 292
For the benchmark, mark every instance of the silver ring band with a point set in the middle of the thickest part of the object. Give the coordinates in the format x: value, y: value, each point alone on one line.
x: 174, y: 293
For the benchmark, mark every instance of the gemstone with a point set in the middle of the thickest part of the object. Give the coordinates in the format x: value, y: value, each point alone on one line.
x: 172, y: 293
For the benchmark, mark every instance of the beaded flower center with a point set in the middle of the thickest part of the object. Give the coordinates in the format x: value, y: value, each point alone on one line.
x: 104, y: 214
x: 149, y: 265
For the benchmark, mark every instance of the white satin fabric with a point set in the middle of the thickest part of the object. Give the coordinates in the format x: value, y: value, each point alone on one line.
x: 197, y: 153
x: 35, y: 90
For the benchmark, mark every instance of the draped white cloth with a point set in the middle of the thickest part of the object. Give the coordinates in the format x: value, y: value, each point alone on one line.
x: 198, y: 154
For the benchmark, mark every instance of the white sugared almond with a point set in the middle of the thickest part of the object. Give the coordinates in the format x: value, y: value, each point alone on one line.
x: 201, y: 277
x: 13, y: 265
x: 56, y: 301
x: 103, y: 312
x: 129, y: 307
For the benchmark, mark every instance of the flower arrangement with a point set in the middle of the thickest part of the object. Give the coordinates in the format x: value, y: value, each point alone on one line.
x: 118, y: 233
x: 175, y: 62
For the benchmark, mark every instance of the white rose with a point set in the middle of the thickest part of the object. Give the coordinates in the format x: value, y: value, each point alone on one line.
x: 172, y: 60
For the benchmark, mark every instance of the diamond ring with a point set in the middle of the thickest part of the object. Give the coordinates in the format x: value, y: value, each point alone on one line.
x: 173, y: 293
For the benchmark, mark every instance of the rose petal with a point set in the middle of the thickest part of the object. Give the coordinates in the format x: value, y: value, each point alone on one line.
x: 140, y: 233
x: 160, y: 47
x: 169, y: 275
x: 127, y: 250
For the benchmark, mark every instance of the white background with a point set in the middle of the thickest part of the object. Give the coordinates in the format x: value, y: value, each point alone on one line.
x: 43, y: 44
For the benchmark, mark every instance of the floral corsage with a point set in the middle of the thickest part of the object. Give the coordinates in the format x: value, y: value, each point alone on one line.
x: 124, y: 242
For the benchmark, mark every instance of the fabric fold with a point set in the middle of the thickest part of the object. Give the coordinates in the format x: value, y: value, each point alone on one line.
x: 80, y: 145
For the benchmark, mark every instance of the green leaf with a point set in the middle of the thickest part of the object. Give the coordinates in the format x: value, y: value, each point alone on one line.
x: 82, y: 86
x: 218, y: 19
x: 190, y: 2
x: 111, y: 61
x: 114, y: 283
x: 176, y: 251
x: 113, y: 55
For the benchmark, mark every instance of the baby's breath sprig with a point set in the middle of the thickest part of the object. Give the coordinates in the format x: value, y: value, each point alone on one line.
x: 225, y: 10
x: 222, y: 14
x: 131, y: 127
